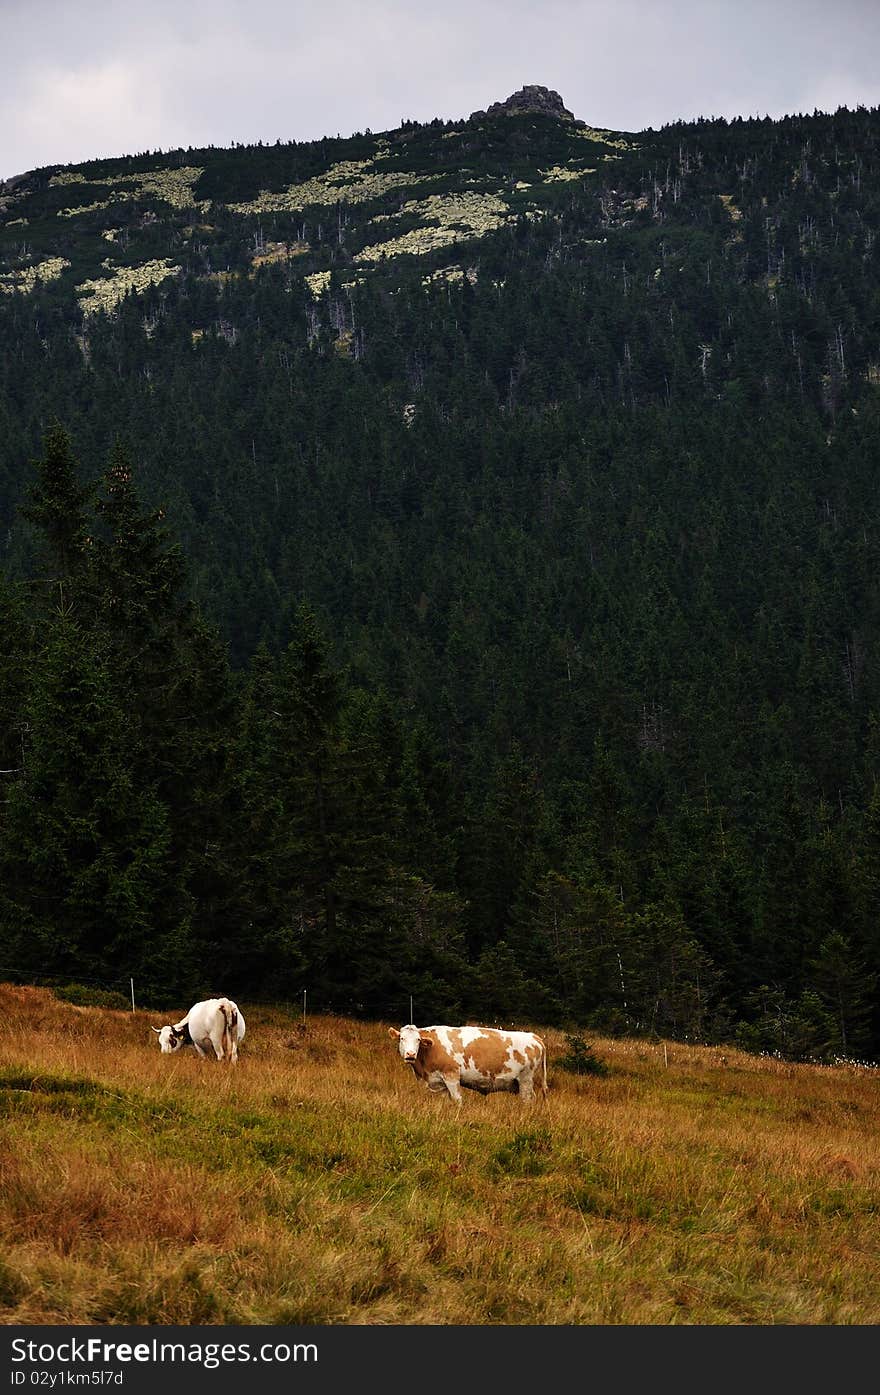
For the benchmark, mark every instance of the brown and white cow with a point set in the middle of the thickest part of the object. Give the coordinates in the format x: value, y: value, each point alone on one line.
x: 478, y: 1058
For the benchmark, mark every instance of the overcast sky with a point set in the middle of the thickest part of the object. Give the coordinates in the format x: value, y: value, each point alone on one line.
x: 87, y: 78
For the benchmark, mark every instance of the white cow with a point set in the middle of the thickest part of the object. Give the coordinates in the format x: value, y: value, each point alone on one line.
x: 216, y: 1023
x: 478, y: 1058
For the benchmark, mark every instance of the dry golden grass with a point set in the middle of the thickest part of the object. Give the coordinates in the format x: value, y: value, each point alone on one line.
x: 317, y: 1182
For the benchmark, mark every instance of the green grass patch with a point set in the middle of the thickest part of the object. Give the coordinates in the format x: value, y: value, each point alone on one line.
x: 527, y: 1154
x: 79, y: 1098
x: 84, y: 996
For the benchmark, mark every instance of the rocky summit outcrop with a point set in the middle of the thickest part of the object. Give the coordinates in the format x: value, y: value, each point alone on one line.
x: 533, y: 99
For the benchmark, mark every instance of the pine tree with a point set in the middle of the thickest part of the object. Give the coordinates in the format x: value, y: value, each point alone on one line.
x: 15, y: 650
x: 139, y: 752
x: 845, y: 986
x: 266, y: 939
x: 306, y: 742
x: 85, y: 842
x: 57, y: 508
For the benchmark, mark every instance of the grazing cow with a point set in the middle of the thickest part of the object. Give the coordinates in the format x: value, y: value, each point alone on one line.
x: 479, y: 1058
x: 217, y: 1023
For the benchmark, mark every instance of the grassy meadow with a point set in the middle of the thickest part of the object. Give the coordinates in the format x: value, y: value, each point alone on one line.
x: 319, y: 1182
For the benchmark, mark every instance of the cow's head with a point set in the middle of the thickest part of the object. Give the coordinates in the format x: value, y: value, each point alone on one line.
x: 169, y: 1039
x: 409, y: 1039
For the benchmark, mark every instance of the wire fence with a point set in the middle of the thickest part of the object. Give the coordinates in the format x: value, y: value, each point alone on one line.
x: 305, y: 1002
x: 121, y: 987
x: 49, y: 980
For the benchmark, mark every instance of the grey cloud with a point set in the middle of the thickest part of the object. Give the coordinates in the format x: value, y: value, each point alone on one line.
x: 92, y: 77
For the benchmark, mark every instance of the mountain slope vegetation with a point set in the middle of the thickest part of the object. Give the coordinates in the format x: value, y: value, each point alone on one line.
x: 495, y: 504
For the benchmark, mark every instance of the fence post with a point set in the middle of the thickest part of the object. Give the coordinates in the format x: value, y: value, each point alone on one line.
x: 131, y: 981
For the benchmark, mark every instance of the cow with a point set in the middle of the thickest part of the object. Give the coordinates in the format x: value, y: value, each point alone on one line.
x: 216, y: 1023
x: 478, y: 1058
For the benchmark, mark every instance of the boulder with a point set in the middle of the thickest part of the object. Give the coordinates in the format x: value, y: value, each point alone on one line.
x: 541, y: 101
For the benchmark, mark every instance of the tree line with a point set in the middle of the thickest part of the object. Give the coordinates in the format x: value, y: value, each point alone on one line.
x: 511, y: 641
x: 292, y: 823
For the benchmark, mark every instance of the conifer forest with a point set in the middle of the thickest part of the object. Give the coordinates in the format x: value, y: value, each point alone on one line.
x: 445, y: 564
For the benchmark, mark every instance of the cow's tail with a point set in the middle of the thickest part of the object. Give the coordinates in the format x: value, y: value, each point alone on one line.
x: 230, y: 1029
x: 543, y: 1081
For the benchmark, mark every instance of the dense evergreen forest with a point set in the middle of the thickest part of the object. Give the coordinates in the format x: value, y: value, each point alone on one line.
x: 494, y: 619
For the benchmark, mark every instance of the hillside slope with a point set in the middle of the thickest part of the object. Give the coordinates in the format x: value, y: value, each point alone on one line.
x: 570, y: 439
x: 317, y: 1182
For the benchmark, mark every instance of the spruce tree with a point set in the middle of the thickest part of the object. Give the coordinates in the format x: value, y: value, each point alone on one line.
x: 56, y: 508
x: 85, y: 840
x: 172, y: 679
x: 306, y: 739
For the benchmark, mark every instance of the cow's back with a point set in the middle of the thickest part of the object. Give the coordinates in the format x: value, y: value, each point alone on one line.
x: 204, y: 1017
x: 486, y: 1059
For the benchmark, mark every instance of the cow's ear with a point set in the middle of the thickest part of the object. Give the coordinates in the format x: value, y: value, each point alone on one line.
x: 393, y: 1032
x: 424, y: 1038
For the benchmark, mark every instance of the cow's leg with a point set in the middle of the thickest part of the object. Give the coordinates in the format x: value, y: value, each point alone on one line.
x: 526, y: 1087
x: 452, y: 1085
x: 199, y: 1047
x: 218, y: 1048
